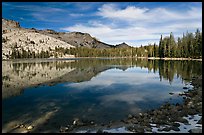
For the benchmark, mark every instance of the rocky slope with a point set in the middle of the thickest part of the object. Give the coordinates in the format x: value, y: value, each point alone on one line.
x: 77, y: 39
x: 8, y: 25
x: 14, y: 37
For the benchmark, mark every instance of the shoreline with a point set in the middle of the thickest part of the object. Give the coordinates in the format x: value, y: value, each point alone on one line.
x: 73, y: 58
x: 168, y: 118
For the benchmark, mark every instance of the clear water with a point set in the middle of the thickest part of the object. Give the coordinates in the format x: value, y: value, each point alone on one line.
x: 53, y: 93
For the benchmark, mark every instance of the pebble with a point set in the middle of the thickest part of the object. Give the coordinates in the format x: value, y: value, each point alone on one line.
x: 25, y: 131
x: 92, y: 122
x: 21, y: 126
x: 75, y: 121
x: 63, y: 129
x: 30, y: 127
x: 17, y: 126
x: 135, y: 122
x: 130, y: 116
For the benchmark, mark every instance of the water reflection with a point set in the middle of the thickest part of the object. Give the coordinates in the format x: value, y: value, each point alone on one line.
x: 93, y: 89
x: 17, y: 76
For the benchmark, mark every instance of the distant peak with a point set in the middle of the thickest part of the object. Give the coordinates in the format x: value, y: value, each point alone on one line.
x: 123, y: 44
x: 79, y: 33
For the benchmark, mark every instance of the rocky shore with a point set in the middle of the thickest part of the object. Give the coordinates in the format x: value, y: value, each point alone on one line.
x: 172, y: 118
x: 169, y: 118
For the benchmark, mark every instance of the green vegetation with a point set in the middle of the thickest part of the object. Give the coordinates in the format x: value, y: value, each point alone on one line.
x: 16, y: 54
x: 189, y: 46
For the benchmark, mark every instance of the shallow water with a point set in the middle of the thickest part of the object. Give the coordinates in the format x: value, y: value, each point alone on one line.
x: 53, y: 93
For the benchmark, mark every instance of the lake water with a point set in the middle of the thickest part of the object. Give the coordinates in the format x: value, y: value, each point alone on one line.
x: 53, y: 93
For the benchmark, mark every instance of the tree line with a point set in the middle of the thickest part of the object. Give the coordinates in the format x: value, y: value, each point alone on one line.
x: 189, y: 45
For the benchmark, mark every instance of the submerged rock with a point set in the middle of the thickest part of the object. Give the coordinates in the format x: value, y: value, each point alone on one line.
x: 130, y: 116
x: 200, y: 121
x: 182, y: 120
x: 64, y: 129
x: 166, y: 129
x: 176, y: 124
x: 99, y: 131
x: 175, y: 128
x: 171, y: 93
x: 148, y: 129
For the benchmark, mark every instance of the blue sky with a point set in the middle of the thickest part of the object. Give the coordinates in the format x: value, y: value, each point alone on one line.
x: 135, y: 23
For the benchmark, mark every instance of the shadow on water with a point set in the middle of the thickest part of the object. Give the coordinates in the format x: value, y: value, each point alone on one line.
x: 52, y: 93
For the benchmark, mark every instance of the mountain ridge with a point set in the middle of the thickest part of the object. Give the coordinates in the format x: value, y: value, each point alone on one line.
x: 77, y: 39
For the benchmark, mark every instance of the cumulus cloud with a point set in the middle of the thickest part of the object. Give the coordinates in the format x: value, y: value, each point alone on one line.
x: 132, y: 13
x: 142, y: 25
x: 111, y: 11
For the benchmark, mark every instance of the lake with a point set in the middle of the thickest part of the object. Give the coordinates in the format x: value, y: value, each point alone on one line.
x: 52, y: 93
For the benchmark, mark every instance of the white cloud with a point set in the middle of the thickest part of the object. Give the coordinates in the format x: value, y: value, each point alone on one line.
x: 117, y: 76
x: 136, y: 87
x: 114, y: 35
x: 111, y: 11
x: 132, y: 13
x: 142, y: 25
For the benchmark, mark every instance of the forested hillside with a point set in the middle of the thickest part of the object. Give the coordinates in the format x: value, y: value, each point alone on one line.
x: 188, y: 46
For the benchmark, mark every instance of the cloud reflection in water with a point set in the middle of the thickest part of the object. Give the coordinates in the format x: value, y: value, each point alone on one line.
x: 130, y: 86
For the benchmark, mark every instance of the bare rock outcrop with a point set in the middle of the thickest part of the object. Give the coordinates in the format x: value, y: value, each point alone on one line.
x: 16, y: 38
x: 78, y: 39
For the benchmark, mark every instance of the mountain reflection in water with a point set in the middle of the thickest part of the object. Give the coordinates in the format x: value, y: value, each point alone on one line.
x: 17, y: 76
x: 96, y: 89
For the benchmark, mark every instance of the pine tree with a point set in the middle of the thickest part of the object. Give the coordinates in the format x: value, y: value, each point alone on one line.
x: 172, y: 46
x: 184, y: 46
x: 179, y: 50
x: 197, y: 44
x: 161, y: 48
